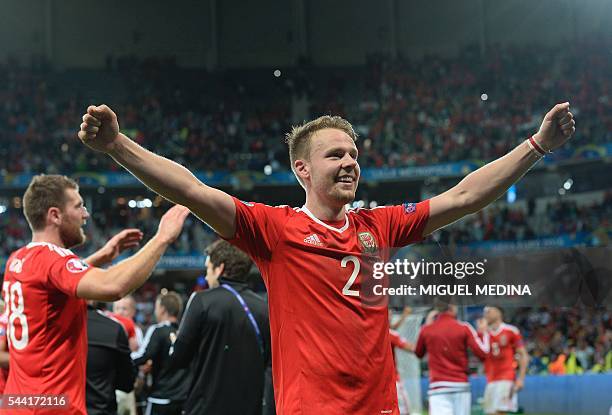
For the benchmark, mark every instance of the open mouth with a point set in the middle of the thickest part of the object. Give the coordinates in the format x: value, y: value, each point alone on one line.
x: 345, y: 179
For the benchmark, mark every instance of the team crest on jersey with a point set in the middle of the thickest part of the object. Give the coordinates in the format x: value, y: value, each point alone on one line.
x: 503, y: 340
x: 368, y: 242
x: 76, y: 265
x: 409, y: 207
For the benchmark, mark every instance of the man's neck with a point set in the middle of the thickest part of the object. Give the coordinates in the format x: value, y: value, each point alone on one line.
x: 495, y: 326
x: 49, y: 237
x: 324, y: 211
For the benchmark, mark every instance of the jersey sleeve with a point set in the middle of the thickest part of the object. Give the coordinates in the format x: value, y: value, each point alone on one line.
x: 258, y: 228
x: 130, y: 328
x: 478, y: 345
x: 404, y: 224
x: 517, y: 340
x: 66, y: 272
x: 420, y: 349
x: 397, y: 340
x: 127, y: 323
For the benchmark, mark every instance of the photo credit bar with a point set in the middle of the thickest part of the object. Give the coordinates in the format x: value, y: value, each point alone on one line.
x: 418, y: 275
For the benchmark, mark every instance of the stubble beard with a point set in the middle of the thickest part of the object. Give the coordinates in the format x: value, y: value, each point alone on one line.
x: 341, y: 195
x: 72, y: 236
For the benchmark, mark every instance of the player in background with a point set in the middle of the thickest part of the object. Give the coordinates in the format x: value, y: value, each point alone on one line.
x: 169, y: 386
x: 126, y: 307
x: 502, y: 383
x: 446, y: 342
x: 45, y: 287
x: 313, y: 258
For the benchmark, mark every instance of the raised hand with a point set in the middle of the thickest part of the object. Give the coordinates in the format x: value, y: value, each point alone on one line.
x: 557, y: 127
x: 126, y: 239
x: 481, y: 325
x: 99, y: 129
x: 171, y: 223
x: 431, y: 316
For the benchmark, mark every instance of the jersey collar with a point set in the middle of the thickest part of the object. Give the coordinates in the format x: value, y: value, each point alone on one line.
x: 498, y: 329
x: 320, y: 222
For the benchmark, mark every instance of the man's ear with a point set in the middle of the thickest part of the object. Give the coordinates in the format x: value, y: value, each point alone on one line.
x: 219, y: 270
x: 54, y: 216
x: 302, y: 169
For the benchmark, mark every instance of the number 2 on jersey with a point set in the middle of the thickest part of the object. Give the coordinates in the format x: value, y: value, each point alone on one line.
x: 13, y: 300
x: 356, y: 266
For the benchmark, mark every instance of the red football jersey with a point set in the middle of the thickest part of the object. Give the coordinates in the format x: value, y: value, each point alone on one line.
x: 47, y: 332
x: 499, y: 364
x: 128, y: 324
x: 331, y: 353
x: 3, y: 371
x: 446, y: 342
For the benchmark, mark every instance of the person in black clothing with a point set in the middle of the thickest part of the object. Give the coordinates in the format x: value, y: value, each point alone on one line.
x: 109, y: 366
x: 224, y: 337
x: 169, y: 389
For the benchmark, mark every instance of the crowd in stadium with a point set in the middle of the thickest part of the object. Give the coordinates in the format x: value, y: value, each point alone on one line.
x: 566, y: 341
x: 496, y: 223
x: 563, y: 217
x: 407, y: 112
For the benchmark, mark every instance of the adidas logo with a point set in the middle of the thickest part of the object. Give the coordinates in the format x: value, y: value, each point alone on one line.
x: 313, y: 240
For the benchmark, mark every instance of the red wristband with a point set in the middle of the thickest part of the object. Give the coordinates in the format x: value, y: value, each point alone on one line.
x: 536, y: 147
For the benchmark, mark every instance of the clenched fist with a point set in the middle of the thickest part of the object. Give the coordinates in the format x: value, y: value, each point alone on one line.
x: 99, y: 129
x: 557, y: 127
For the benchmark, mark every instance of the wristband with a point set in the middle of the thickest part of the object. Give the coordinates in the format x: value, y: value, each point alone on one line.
x: 536, y: 147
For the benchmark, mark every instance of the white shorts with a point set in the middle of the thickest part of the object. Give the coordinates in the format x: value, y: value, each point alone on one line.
x: 452, y: 403
x: 497, y: 397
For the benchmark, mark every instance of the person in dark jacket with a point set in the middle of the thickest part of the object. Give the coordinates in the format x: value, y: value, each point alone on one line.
x: 109, y: 366
x: 224, y: 337
x: 169, y: 388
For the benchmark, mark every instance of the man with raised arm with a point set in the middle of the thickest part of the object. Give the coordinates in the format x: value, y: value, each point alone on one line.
x: 330, y: 353
x: 45, y: 287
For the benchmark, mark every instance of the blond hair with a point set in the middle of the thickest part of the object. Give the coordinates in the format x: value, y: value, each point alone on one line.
x: 43, y: 193
x: 300, y: 137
